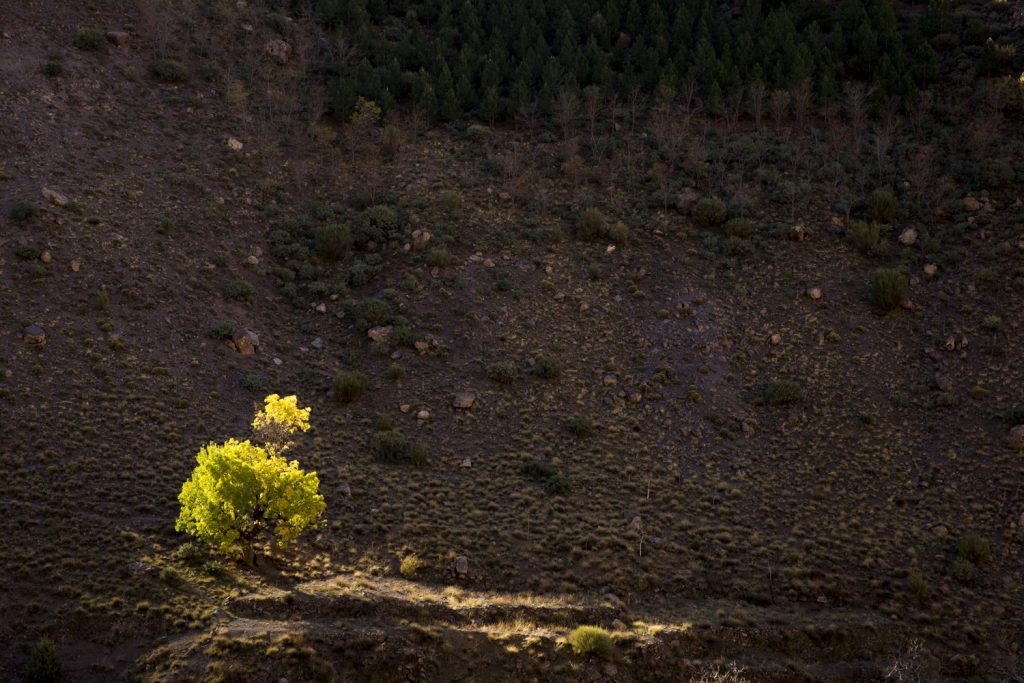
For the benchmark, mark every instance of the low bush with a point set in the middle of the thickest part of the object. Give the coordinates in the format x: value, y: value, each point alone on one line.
x: 89, y: 40
x: 962, y: 570
x: 537, y: 470
x: 441, y: 258
x: 783, y: 392
x: 374, y: 226
x: 591, y: 641
x: 221, y: 331
x: 579, y: 426
x: 709, y: 212
x: 239, y: 290
x: 556, y: 485
x: 333, y: 242
x: 348, y: 386
x: 996, y: 174
x: 43, y: 664
x: 865, y: 236
x: 169, y: 71
x: 410, y: 565
x: 503, y: 373
x: 23, y: 211
x: 547, y: 367
x: 888, y: 288
x: 740, y: 227
x: 974, y: 549
x: 883, y: 206
x: 591, y: 224
x: 372, y: 313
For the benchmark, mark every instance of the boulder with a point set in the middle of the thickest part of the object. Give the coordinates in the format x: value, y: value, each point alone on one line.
x: 246, y: 342
x: 118, y: 38
x: 464, y: 400
x: 814, y: 293
x: 1017, y: 437
x: 420, y: 238
x: 54, y: 197
x: 33, y: 334
x: 235, y: 145
x: 908, y: 237
x: 278, y: 50
x: 380, y: 334
x: 971, y: 204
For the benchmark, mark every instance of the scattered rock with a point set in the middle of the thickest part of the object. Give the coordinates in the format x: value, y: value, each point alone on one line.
x: 246, y: 342
x: 504, y: 196
x: 55, y: 198
x: 908, y: 237
x: 636, y: 524
x: 943, y: 383
x: 76, y: 265
x: 235, y: 145
x: 420, y: 238
x: 775, y: 339
x: 940, y: 530
x: 461, y: 566
x: 971, y: 204
x: 277, y: 361
x: 33, y: 334
x: 140, y: 568
x: 46, y: 257
x: 467, y: 462
x: 950, y: 344
x: 907, y: 305
x: 464, y: 400
x: 930, y: 270
x: 1017, y: 437
x: 798, y: 233
x: 964, y: 342
x: 318, y: 343
x: 814, y: 293
x: 252, y: 260
x: 321, y: 308
x: 404, y: 407
x: 423, y: 415
x: 609, y: 380
x: 380, y: 334
x: 278, y: 50
x: 421, y: 346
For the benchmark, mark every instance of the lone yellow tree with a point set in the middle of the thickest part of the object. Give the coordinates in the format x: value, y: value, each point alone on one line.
x: 240, y: 491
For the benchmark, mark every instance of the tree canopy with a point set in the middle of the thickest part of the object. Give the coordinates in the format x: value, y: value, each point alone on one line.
x: 240, y: 492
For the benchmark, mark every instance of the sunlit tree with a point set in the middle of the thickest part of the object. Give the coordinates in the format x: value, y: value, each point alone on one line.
x: 241, y: 492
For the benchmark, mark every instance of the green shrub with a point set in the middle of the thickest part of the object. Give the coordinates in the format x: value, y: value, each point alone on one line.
x: 740, y: 227
x: 23, y: 211
x: 556, y: 485
x: 54, y: 67
x: 883, y: 206
x: 255, y: 383
x: 333, y: 242
x: 239, y: 290
x: 503, y: 373
x: 221, y: 331
x: 974, y: 549
x: 783, y: 392
x: 963, y: 570
x: 89, y: 40
x: 191, y: 553
x: 996, y: 174
x: 410, y: 565
x: 579, y: 426
x: 547, y: 367
x: 43, y: 665
x: 169, y: 71
x: 441, y: 258
x: 591, y: 225
x: 537, y: 470
x: 591, y: 641
x: 709, y: 212
x: 918, y: 586
x: 865, y: 237
x: 395, y: 372
x: 888, y: 288
x: 618, y: 232
x: 372, y: 313
x: 348, y: 386
x: 451, y: 201
x: 28, y: 252
x: 376, y: 224
x: 391, y: 444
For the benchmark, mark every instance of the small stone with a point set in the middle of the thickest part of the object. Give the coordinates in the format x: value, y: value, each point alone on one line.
x: 318, y: 343
x: 908, y: 237
x: 609, y: 380
x: 404, y: 408
x: 140, y: 568
x: 235, y: 145
x: 461, y: 566
x: 971, y: 204
x: 246, y: 342
x: 278, y: 50
x: 423, y: 415
x: 76, y: 265
x: 776, y: 339
x: 420, y: 238
x: 421, y: 346
x: 380, y: 334
x: 504, y: 196
x: 798, y: 233
x: 636, y: 524
x: 814, y: 293
x: 466, y: 462
x: 321, y: 308
x: 464, y: 400
x: 950, y: 344
x: 277, y: 361
x: 46, y: 257
x: 930, y: 270
x: 907, y: 305
x: 488, y: 263
x: 940, y: 530
x: 584, y: 307
x: 33, y: 334
x: 610, y: 249
x: 964, y: 342
x: 252, y: 260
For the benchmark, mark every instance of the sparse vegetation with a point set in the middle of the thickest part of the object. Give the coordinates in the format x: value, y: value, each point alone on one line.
x: 169, y: 71
x: 90, y: 40
x: 334, y: 241
x: 44, y: 665
x: 348, y: 386
x: 888, y: 288
x: 591, y: 641
x: 709, y: 212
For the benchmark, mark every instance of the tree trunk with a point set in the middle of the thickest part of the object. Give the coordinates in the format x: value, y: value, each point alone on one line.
x: 248, y: 555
